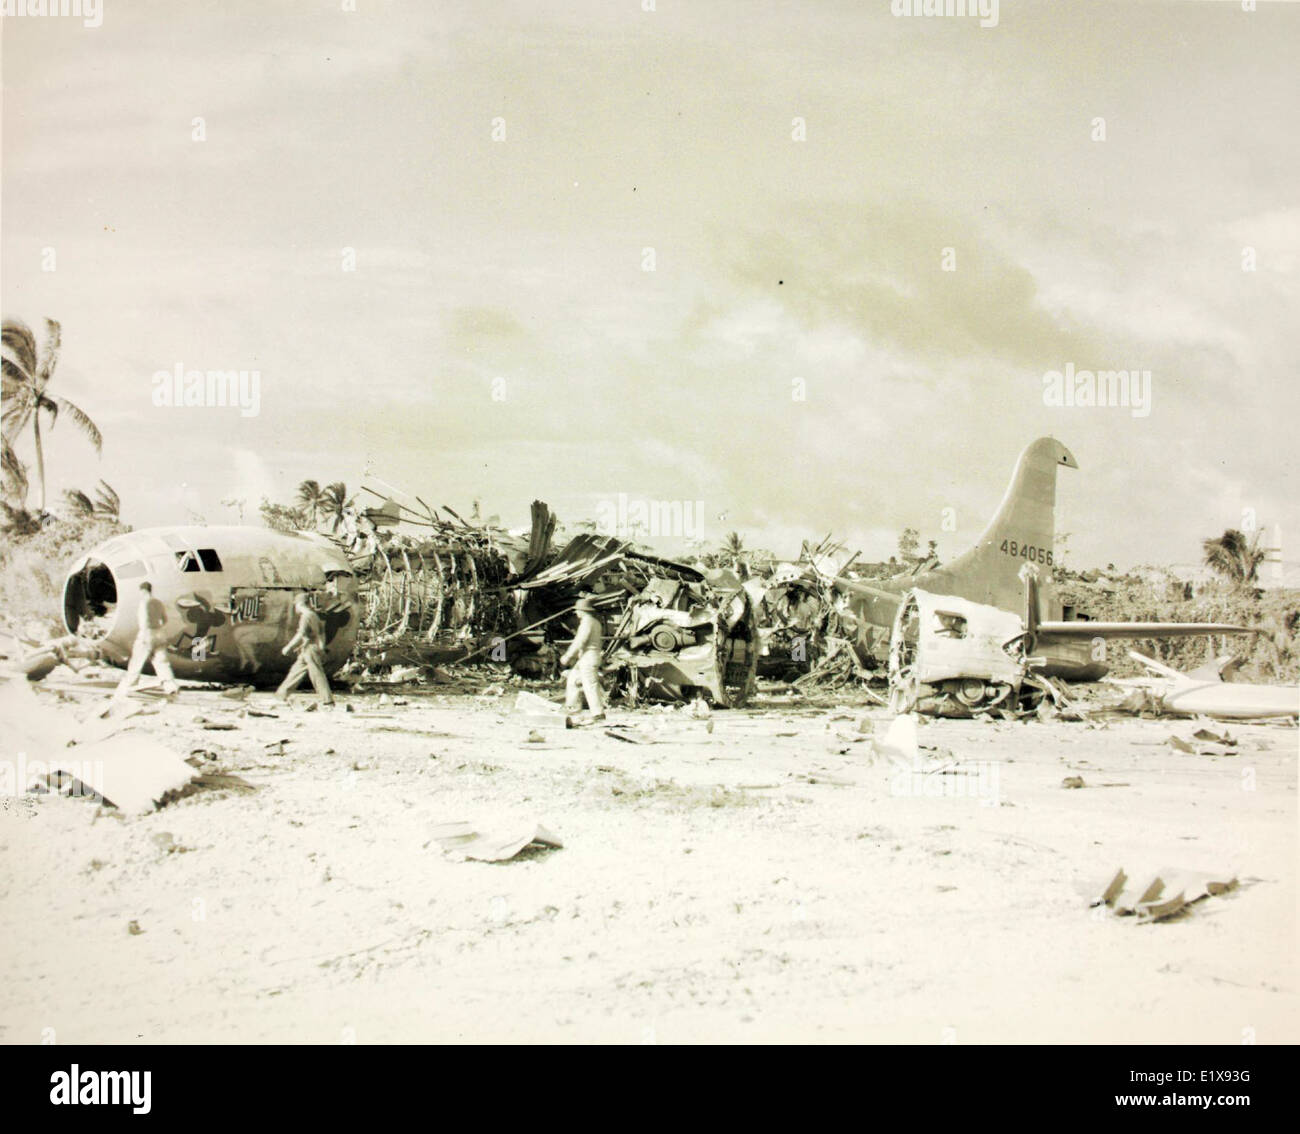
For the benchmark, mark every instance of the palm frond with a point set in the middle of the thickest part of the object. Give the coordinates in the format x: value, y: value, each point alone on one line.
x: 19, y: 402
x: 78, y: 502
x: 107, y: 501
x: 49, y: 353
x: 14, y: 378
x: 15, y: 472
x: 335, y: 500
x: 20, y: 394
x: 18, y: 348
x: 78, y: 415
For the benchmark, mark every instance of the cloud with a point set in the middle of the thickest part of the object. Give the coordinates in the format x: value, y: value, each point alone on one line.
x: 878, y: 268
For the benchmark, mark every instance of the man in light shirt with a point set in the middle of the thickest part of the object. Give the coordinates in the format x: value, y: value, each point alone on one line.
x: 310, y: 644
x: 150, y: 644
x: 584, y: 677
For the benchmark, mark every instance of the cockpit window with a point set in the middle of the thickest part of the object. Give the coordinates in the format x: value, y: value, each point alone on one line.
x: 187, y: 561
x: 950, y: 625
x: 211, y: 561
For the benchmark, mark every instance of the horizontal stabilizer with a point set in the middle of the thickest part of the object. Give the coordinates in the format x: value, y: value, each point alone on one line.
x: 1086, y: 629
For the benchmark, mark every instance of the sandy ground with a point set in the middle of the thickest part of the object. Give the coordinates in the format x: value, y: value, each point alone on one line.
x: 769, y: 880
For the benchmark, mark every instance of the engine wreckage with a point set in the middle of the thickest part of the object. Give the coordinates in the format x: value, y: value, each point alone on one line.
x: 433, y: 593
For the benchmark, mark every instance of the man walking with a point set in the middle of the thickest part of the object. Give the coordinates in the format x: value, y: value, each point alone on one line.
x: 584, y: 677
x: 309, y: 641
x: 150, y: 644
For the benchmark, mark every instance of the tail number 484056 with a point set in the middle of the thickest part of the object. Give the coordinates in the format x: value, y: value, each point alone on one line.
x: 1025, y: 551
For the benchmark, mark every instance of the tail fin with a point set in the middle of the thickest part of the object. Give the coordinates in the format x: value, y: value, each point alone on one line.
x: 1022, y: 531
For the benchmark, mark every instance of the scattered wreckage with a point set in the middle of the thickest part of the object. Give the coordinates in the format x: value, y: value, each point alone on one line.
x: 102, y: 760
x: 1203, y: 692
x: 1164, y: 893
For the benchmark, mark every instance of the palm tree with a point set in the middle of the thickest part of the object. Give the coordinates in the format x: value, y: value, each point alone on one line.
x: 335, y: 504
x: 27, y: 374
x: 312, y: 498
x: 733, y: 548
x: 1234, y: 556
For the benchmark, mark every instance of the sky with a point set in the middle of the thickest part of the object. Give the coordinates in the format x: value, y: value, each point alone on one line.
x: 430, y: 229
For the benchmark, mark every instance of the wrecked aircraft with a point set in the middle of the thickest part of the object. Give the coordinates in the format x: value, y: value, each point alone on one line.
x: 439, y: 591
x: 228, y: 593
x: 442, y: 590
x: 423, y: 595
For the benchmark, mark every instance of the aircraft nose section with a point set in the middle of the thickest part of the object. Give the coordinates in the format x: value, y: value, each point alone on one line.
x: 91, y: 598
x: 98, y: 587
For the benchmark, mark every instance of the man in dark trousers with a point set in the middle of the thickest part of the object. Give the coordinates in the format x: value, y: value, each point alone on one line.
x: 310, y: 644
